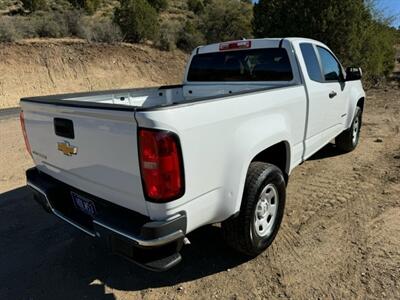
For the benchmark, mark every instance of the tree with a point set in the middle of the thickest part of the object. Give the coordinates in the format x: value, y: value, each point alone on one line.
x: 224, y: 20
x: 348, y: 27
x: 137, y: 19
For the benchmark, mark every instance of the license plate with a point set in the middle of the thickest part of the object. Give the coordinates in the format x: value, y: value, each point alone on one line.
x: 85, y: 205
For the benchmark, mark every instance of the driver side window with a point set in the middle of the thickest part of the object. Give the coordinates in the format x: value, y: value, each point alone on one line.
x: 330, y: 66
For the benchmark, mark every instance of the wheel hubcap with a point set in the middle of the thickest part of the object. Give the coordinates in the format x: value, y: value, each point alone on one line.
x: 356, y: 127
x: 266, y: 211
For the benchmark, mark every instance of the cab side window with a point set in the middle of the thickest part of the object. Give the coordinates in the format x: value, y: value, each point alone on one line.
x: 311, y: 60
x: 330, y: 67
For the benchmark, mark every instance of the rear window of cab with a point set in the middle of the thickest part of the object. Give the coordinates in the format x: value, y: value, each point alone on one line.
x: 271, y: 64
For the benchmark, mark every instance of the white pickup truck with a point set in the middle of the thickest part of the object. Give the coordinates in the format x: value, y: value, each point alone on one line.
x: 142, y: 168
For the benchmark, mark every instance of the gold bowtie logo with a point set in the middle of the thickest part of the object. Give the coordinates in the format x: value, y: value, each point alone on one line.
x: 67, y: 149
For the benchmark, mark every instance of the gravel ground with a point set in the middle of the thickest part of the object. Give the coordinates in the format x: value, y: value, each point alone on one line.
x: 340, y: 236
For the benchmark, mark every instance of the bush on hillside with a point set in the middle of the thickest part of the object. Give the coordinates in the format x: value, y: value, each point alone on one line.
x: 34, y: 5
x: 73, y: 20
x: 45, y: 24
x: 137, y: 19
x: 190, y: 37
x: 159, y: 5
x: 90, y: 6
x: 51, y: 25
x: 168, y: 37
x: 224, y: 20
x: 7, y: 30
x: 23, y: 27
x: 216, y: 20
x: 196, y: 6
x: 100, y: 30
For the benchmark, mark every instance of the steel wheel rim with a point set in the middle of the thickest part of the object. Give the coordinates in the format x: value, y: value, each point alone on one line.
x: 356, y: 127
x: 266, y: 211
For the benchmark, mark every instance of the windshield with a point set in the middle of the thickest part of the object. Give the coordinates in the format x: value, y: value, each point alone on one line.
x: 270, y: 64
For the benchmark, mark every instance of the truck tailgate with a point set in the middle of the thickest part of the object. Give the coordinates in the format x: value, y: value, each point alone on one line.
x: 99, y: 156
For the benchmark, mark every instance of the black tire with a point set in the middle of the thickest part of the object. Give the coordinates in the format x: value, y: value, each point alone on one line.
x: 346, y: 140
x: 240, y: 232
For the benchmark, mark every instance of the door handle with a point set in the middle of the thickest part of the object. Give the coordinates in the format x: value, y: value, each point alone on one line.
x: 332, y: 94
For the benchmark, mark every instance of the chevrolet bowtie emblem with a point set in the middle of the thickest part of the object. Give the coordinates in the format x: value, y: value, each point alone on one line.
x: 67, y: 149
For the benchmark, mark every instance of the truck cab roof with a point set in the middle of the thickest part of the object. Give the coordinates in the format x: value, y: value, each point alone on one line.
x: 255, y: 44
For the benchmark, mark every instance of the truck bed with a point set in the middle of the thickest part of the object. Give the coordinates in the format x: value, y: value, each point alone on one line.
x: 148, y: 98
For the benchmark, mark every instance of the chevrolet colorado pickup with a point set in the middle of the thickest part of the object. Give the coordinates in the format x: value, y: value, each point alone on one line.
x: 141, y: 168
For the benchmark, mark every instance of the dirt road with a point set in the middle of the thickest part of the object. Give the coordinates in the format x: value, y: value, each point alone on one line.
x: 340, y: 237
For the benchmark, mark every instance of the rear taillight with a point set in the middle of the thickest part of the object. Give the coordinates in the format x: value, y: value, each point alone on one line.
x: 22, y: 119
x: 161, y: 165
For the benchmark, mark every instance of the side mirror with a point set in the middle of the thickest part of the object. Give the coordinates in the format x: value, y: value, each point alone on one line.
x: 353, y: 73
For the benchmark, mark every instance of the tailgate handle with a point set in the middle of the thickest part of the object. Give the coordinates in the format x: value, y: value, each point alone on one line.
x: 64, y: 128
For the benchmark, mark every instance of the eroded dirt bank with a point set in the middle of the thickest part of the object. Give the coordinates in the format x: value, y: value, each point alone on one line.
x: 40, y: 67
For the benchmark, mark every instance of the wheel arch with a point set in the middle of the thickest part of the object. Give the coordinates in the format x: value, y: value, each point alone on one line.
x: 357, y: 99
x: 278, y: 155
x: 360, y: 103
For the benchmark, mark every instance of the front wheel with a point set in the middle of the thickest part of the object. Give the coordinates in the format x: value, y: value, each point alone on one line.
x: 261, y: 212
x: 348, y: 140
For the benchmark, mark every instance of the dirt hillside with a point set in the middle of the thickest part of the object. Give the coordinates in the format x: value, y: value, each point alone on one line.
x: 38, y: 67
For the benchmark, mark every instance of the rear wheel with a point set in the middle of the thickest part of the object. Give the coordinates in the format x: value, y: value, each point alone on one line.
x: 348, y: 140
x: 261, y: 212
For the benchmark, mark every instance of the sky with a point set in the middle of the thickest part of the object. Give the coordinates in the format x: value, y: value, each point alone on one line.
x: 390, y: 8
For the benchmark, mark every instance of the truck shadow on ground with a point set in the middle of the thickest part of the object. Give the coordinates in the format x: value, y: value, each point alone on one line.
x: 41, y: 257
x: 330, y: 150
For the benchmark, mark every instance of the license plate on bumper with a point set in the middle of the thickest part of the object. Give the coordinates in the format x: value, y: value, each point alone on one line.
x: 83, y: 204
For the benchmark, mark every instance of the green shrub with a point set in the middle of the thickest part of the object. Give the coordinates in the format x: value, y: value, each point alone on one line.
x: 74, y: 22
x: 376, y: 54
x: 59, y: 24
x: 159, y: 5
x: 90, y: 6
x: 190, y: 37
x: 41, y: 24
x: 46, y: 24
x: 168, y: 37
x: 215, y: 21
x: 23, y: 26
x: 224, y: 20
x: 7, y: 30
x: 51, y: 25
x: 100, y: 30
x: 34, y: 5
x: 196, y: 6
x: 137, y: 19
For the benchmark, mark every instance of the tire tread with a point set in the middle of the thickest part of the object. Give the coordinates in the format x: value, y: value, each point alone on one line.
x: 234, y: 230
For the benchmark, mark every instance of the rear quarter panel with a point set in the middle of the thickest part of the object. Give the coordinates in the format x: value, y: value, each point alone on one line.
x: 219, y: 138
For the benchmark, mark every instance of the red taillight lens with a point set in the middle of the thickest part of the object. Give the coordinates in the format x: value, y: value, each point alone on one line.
x: 161, y: 165
x: 22, y: 119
